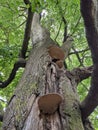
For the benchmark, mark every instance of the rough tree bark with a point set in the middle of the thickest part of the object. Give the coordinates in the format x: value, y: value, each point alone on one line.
x: 43, y: 76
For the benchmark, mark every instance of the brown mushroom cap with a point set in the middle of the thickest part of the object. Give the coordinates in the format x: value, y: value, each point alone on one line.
x: 49, y: 103
x: 60, y: 63
x: 56, y: 52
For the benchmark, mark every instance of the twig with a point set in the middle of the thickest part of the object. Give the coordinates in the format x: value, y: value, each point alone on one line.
x: 81, y: 51
x: 78, y: 57
x: 58, y: 31
x: 21, y: 24
x: 76, y: 26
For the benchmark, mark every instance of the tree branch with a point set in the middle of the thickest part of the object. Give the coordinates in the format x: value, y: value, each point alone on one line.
x: 80, y: 73
x: 1, y: 118
x: 81, y: 51
x: 76, y: 26
x: 22, y: 55
x: 78, y: 57
x: 20, y: 63
x: 65, y: 28
x: 58, y: 31
x: 64, y: 21
x: 27, y: 2
x: 27, y: 31
x: 89, y: 12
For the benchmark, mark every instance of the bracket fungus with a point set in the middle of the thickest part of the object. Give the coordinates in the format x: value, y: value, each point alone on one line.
x: 57, y: 55
x: 49, y: 103
x: 56, y: 52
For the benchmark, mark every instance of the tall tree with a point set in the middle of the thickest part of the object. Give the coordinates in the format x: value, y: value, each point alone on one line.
x: 46, y: 96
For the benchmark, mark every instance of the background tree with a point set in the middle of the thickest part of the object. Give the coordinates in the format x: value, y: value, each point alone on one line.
x: 57, y: 16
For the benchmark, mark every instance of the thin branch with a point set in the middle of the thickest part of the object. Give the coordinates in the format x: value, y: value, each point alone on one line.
x: 2, y: 100
x: 78, y: 57
x: 21, y: 24
x: 18, y: 64
x: 89, y: 12
x: 21, y: 62
x: 65, y: 29
x: 27, y: 31
x: 58, y: 31
x: 64, y: 21
x: 84, y: 86
x: 1, y: 118
x: 27, y: 2
x: 76, y: 26
x: 81, y: 51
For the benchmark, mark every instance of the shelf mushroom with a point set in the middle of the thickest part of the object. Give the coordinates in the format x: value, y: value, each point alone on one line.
x: 57, y: 54
x: 49, y: 103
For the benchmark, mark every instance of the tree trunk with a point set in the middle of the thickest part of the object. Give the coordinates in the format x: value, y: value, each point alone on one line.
x: 46, y: 97
x: 42, y: 77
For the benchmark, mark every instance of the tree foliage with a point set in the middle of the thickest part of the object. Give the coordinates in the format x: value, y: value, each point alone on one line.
x: 56, y: 15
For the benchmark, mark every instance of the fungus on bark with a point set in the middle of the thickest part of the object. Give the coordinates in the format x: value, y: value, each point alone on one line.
x: 57, y: 55
x: 56, y: 52
x: 49, y: 103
